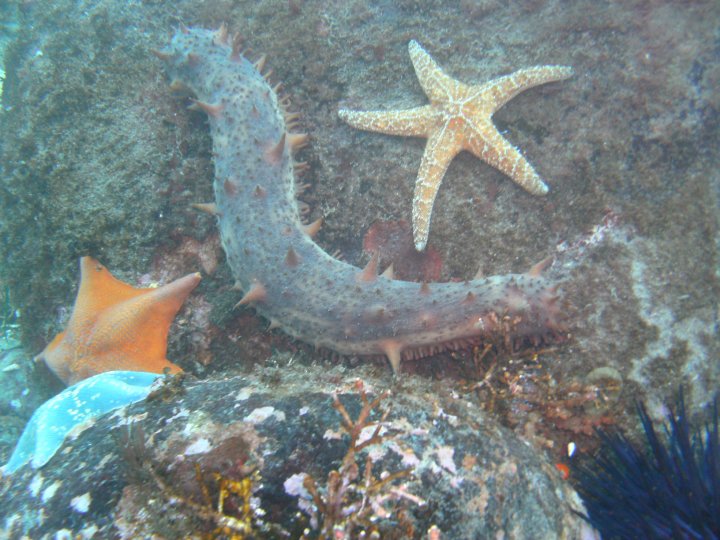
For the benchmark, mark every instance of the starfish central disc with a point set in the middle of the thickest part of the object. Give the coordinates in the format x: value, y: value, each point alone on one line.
x: 116, y: 327
x: 458, y: 117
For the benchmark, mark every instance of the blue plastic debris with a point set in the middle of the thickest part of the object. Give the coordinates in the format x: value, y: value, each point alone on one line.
x: 76, y: 405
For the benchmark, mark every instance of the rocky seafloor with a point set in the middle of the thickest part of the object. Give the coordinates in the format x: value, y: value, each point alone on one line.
x: 98, y: 157
x: 436, y: 460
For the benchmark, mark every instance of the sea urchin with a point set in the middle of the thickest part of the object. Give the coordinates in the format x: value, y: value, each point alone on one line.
x: 667, y: 488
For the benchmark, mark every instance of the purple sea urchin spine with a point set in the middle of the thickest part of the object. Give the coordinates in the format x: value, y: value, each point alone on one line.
x: 287, y: 277
x: 667, y: 486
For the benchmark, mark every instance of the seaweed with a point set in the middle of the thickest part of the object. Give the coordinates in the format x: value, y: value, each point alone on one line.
x: 353, y: 501
x: 225, y: 502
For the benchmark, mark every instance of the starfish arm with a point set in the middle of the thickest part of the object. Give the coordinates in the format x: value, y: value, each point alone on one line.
x: 139, y: 327
x: 416, y: 122
x: 437, y: 85
x: 494, y: 149
x: 499, y: 91
x: 116, y: 326
x: 440, y: 150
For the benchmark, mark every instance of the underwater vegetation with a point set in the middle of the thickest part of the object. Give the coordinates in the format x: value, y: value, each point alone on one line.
x: 668, y: 487
x: 352, y: 502
x: 232, y: 514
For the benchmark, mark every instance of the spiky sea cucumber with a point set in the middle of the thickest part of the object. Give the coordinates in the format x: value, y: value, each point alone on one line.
x: 287, y: 277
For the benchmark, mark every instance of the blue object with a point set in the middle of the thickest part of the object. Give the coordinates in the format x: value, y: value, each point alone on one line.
x: 76, y: 405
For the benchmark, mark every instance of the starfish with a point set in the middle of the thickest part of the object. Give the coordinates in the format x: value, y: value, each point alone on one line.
x: 458, y: 117
x: 115, y: 326
x: 73, y: 410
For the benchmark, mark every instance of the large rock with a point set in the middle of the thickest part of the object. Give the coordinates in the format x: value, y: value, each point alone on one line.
x: 22, y: 390
x: 465, y: 474
x: 98, y: 157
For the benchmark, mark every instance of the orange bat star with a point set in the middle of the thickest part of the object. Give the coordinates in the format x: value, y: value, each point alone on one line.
x: 115, y: 326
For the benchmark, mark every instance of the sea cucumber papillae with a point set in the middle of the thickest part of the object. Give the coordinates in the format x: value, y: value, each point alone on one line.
x: 293, y: 282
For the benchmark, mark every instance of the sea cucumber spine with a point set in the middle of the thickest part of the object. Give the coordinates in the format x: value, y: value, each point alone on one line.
x: 293, y: 282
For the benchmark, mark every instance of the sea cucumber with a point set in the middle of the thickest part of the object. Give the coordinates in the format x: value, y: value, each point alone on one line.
x: 293, y: 282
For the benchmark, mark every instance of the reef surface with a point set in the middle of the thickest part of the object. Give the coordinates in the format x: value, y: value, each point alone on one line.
x: 98, y: 157
x: 455, y: 468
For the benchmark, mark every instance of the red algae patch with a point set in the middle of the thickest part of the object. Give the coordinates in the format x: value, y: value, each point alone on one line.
x: 393, y: 242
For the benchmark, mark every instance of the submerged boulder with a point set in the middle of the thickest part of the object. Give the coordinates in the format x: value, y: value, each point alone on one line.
x: 293, y: 452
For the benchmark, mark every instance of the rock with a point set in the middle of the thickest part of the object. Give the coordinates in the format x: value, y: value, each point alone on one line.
x: 457, y: 469
x: 97, y: 156
x: 23, y: 388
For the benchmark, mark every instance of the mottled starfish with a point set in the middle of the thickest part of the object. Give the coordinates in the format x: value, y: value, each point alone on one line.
x: 458, y: 117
